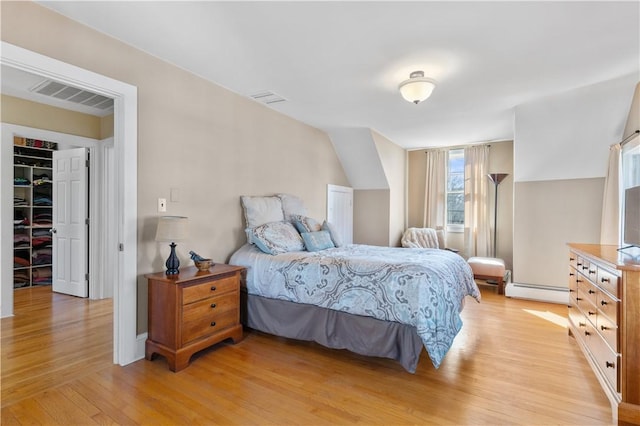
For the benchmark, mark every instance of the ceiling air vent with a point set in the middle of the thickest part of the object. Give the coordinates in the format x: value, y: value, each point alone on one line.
x: 72, y: 94
x: 268, y: 97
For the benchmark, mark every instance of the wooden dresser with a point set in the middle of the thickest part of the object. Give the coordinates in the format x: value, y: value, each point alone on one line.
x: 192, y: 311
x: 604, y: 317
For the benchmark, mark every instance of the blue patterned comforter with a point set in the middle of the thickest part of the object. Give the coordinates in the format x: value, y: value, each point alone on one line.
x: 424, y: 288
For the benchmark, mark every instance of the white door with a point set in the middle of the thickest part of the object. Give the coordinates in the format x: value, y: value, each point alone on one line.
x: 70, y: 213
x: 340, y: 210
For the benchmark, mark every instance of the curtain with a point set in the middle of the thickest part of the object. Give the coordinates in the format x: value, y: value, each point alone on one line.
x: 610, y: 225
x: 435, y: 187
x: 477, y: 233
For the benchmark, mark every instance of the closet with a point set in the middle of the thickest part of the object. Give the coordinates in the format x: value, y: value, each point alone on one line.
x: 32, y: 211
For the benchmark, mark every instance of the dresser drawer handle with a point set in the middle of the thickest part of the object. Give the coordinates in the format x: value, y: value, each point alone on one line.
x: 584, y: 268
x: 610, y: 364
x: 571, y: 274
x: 578, y: 298
x: 571, y: 259
x: 579, y: 264
x: 213, y: 288
x: 591, y: 292
x: 578, y: 280
x: 591, y: 271
x: 604, y: 328
x: 586, y: 333
x: 603, y: 303
x: 604, y: 280
x: 213, y: 323
x: 582, y: 324
x: 213, y: 305
x: 571, y: 290
x: 591, y: 313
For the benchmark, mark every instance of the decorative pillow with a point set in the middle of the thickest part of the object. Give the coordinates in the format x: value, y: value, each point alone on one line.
x: 261, y: 210
x: 335, y: 236
x: 319, y: 240
x: 292, y: 205
x: 305, y: 223
x: 277, y: 237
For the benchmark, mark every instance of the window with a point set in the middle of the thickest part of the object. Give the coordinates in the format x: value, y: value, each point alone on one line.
x: 455, y: 191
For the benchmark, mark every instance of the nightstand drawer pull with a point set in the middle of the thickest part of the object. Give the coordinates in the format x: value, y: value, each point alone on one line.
x: 213, y: 288
x: 213, y: 305
x: 610, y: 364
x: 213, y: 323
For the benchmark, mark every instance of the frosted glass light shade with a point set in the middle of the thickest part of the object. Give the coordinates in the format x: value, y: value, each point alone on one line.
x: 417, y: 88
x: 172, y: 228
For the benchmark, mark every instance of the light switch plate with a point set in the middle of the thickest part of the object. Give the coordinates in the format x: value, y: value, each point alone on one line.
x: 162, y: 205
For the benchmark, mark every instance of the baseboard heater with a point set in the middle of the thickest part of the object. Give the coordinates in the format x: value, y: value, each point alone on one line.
x: 538, y: 292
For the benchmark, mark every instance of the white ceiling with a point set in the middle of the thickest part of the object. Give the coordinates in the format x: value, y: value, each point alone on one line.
x: 338, y: 64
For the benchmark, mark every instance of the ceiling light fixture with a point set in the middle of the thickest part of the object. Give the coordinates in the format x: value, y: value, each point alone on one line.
x: 417, y: 88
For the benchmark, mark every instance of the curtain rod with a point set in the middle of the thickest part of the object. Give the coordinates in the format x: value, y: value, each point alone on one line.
x: 628, y: 138
x: 449, y: 148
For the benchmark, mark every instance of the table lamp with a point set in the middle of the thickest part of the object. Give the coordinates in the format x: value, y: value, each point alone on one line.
x: 172, y: 228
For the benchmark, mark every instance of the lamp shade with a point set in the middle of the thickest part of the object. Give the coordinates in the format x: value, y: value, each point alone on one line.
x: 172, y: 228
x: 496, y: 178
x: 417, y: 88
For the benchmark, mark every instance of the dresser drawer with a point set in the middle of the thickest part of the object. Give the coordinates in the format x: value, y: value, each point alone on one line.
x: 608, y: 281
x: 573, y: 284
x: 196, y: 292
x: 608, y: 306
x: 606, y: 360
x: 209, y: 316
x: 582, y: 265
x: 609, y: 331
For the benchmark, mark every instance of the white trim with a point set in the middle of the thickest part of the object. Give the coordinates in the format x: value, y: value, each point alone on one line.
x: 540, y: 293
x: 125, y: 144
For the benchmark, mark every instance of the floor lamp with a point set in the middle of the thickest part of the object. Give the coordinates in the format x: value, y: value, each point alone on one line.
x: 496, y: 178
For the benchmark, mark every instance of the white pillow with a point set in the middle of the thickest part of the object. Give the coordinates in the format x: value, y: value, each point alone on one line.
x: 292, y: 205
x: 261, y: 210
x: 277, y: 237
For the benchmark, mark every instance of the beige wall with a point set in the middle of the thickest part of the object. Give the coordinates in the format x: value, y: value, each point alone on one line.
x: 208, y: 144
x: 394, y: 163
x: 500, y: 161
x: 550, y: 215
x: 371, y: 216
x: 33, y: 114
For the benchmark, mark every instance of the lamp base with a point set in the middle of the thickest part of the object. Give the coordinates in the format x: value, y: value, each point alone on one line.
x: 172, y: 263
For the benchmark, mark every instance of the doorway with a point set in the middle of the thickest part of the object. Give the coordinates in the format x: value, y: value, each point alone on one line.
x: 127, y: 347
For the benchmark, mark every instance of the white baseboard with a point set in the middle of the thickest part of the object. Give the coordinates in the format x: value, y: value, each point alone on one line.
x: 537, y: 292
x: 140, y: 340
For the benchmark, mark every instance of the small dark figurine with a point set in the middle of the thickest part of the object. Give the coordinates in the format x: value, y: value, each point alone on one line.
x: 196, y: 257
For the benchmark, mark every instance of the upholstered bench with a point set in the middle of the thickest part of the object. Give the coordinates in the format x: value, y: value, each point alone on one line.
x: 488, y: 268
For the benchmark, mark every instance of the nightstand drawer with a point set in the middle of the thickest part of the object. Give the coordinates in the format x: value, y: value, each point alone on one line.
x: 208, y: 324
x: 210, y: 307
x: 212, y: 288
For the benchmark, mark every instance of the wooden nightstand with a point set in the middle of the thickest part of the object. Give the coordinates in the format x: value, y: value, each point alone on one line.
x: 191, y: 311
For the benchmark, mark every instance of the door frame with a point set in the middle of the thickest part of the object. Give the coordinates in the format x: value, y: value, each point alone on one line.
x: 126, y: 347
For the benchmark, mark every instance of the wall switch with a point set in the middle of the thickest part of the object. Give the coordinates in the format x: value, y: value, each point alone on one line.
x: 162, y: 205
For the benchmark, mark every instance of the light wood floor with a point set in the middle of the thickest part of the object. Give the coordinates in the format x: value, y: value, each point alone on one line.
x: 511, y: 364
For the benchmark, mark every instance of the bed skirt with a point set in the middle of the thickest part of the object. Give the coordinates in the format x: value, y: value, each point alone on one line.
x: 333, y: 329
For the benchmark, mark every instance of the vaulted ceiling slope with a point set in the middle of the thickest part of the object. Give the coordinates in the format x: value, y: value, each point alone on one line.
x: 338, y: 64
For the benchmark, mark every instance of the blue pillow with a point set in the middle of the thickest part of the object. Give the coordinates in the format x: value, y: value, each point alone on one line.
x: 316, y: 241
x: 335, y: 237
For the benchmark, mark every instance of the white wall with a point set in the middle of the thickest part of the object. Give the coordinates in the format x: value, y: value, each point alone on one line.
x: 561, y: 153
x: 567, y: 136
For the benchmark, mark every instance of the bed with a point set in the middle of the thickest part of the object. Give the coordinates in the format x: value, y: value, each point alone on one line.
x: 302, y: 283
